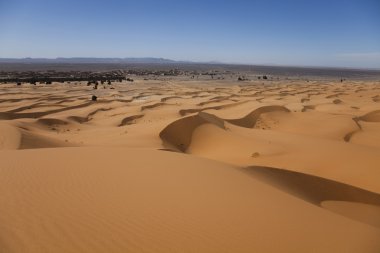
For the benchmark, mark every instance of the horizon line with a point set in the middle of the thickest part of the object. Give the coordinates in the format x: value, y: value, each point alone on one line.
x: 169, y: 61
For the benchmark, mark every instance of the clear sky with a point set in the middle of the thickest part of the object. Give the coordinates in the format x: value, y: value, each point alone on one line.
x: 309, y: 32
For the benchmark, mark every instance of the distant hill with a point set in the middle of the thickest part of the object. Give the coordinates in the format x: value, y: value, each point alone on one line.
x: 89, y: 60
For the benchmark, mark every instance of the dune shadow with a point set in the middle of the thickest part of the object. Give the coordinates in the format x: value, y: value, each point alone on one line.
x: 318, y: 190
x: 145, y: 107
x: 130, y: 120
x: 184, y: 112
x: 373, y: 116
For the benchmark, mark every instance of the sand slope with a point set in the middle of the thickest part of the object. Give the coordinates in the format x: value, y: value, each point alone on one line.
x: 106, y: 199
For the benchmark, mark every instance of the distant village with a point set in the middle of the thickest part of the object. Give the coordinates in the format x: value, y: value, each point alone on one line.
x: 49, y: 76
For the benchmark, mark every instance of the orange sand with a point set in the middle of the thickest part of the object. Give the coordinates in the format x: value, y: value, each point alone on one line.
x: 188, y: 166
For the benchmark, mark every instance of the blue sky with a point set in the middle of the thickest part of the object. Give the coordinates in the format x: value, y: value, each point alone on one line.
x: 303, y: 33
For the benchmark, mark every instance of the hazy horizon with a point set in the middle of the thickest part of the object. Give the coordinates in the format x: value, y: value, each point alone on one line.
x: 318, y: 34
x: 162, y: 60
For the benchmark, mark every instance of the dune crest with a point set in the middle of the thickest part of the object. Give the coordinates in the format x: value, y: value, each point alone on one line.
x: 178, y: 134
x: 250, y: 120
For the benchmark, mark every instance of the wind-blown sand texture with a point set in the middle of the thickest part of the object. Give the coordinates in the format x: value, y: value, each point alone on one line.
x: 279, y: 166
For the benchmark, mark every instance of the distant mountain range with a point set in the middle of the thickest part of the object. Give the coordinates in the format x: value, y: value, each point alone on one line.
x: 89, y: 60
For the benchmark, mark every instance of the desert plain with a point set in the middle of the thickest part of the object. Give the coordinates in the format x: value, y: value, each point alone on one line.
x: 187, y: 165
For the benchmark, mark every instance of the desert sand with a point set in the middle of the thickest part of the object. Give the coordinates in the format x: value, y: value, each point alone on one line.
x: 190, y: 166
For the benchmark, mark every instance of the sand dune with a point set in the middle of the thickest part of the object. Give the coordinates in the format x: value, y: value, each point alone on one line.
x: 250, y: 120
x: 301, y: 153
x: 179, y: 133
x: 12, y: 115
x: 14, y: 137
x: 287, y: 161
x: 125, y: 203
